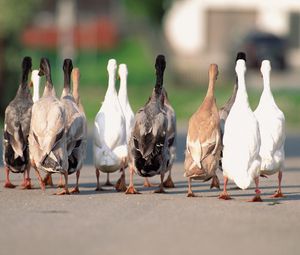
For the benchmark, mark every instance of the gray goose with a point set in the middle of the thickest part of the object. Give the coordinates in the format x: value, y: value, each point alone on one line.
x: 16, y: 131
x: 203, y: 145
x: 171, y: 136
x: 148, y: 145
x: 47, y: 138
x: 76, y: 127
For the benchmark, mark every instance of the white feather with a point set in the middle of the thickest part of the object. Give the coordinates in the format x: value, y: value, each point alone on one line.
x: 241, y: 160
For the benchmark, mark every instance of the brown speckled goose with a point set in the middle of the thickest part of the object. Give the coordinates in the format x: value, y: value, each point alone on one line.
x: 148, y: 145
x: 203, y: 145
x: 47, y: 138
x: 16, y: 130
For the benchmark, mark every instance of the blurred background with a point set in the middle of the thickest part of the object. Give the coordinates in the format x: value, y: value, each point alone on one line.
x: 191, y: 33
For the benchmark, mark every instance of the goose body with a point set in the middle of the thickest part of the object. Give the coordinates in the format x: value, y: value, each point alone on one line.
x: 241, y: 140
x: 47, y: 138
x: 148, y: 145
x: 272, y: 128
x: 16, y: 130
x: 110, y: 146
x: 203, y: 144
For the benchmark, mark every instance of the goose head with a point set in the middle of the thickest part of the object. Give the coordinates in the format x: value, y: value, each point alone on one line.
x: 26, y: 68
x: 240, y: 67
x: 45, y: 68
x: 123, y: 71
x: 67, y: 68
x: 241, y: 55
x: 265, y: 67
x: 112, y: 66
x: 213, y: 71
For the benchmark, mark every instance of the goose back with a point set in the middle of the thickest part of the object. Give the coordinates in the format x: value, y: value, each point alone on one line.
x: 148, y: 147
x: 203, y: 144
x: 17, y: 124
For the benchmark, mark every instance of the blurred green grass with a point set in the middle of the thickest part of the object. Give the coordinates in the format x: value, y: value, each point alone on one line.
x: 185, y: 98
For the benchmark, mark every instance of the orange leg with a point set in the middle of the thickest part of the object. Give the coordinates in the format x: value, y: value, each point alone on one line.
x: 161, y: 186
x: 190, y: 192
x: 257, y: 197
x: 147, y: 183
x: 42, y: 184
x: 121, y: 183
x: 168, y: 183
x: 108, y: 183
x: 98, y: 187
x: 224, y: 195
x: 48, y: 180
x: 65, y: 190
x: 131, y: 189
x: 75, y: 190
x: 278, y: 193
x: 61, y: 182
x: 8, y: 183
x: 27, y: 181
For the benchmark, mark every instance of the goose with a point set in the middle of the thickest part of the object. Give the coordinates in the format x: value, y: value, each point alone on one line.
x: 47, y: 138
x: 16, y: 130
x: 35, y: 83
x: 272, y: 130
x: 241, y: 141
x: 171, y: 136
x: 224, y: 111
x: 148, y: 147
x: 203, y: 143
x: 110, y: 147
x: 125, y: 105
x: 76, y: 127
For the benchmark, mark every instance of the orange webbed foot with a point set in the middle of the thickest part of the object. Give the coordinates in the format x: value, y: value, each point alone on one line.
x: 9, y: 185
x: 63, y: 192
x: 75, y: 190
x: 225, y: 196
x: 131, y: 190
x: 257, y: 198
x: 169, y: 183
x: 277, y: 194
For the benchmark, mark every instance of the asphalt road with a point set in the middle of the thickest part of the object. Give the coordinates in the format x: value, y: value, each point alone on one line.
x: 36, y: 222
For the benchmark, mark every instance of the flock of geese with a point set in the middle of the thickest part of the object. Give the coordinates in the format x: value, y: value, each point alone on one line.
x: 50, y: 133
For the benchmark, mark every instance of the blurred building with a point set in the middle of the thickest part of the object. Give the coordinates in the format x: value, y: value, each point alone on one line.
x: 69, y: 25
x: 200, y: 32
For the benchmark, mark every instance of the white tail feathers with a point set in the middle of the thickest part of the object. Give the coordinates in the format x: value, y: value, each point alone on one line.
x: 240, y: 67
x: 265, y: 66
x: 123, y: 71
x: 112, y: 65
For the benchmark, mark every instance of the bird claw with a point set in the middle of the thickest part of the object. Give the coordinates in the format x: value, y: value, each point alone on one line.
x: 225, y: 196
x: 131, y: 190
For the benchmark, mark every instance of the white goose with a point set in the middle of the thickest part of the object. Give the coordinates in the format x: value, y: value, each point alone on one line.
x: 241, y: 140
x: 35, y: 83
x: 125, y: 105
x: 110, y: 147
x: 272, y: 130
